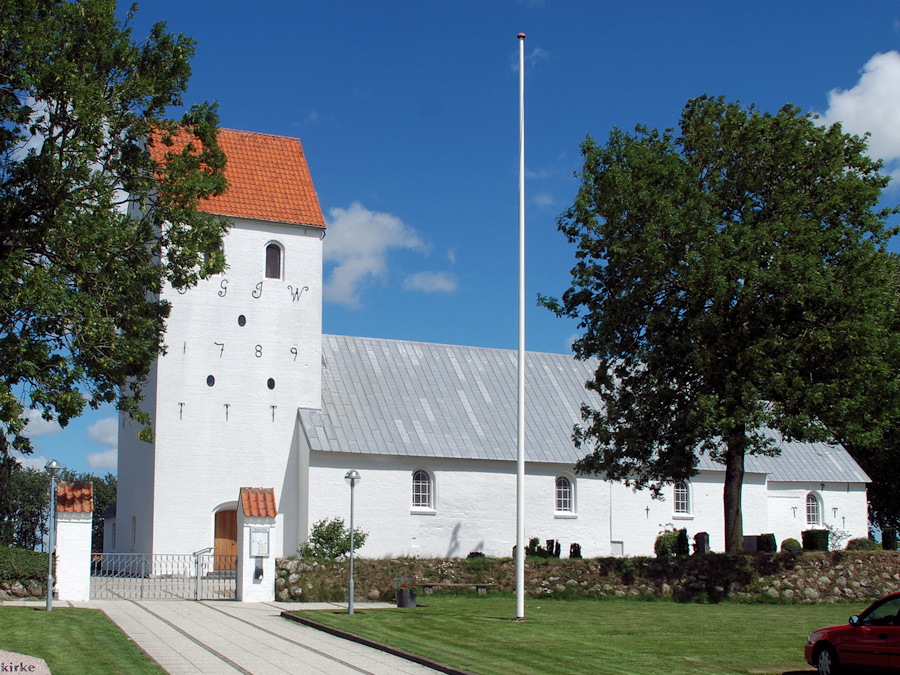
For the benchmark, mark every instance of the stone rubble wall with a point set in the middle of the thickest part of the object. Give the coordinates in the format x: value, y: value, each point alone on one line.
x: 31, y: 590
x: 814, y: 577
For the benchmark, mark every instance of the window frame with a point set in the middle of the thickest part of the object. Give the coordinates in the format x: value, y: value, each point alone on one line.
x: 559, y: 510
x: 814, y: 500
x: 416, y: 504
x: 687, y: 502
x: 276, y: 246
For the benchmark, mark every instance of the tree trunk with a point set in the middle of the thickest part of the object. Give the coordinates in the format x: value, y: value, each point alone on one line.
x: 734, y: 482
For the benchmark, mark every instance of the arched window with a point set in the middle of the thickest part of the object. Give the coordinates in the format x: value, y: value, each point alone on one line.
x: 273, y: 261
x: 421, y: 490
x: 813, y: 512
x: 565, y: 498
x: 682, y: 498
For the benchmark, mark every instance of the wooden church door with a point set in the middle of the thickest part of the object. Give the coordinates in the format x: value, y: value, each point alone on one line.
x: 226, y: 540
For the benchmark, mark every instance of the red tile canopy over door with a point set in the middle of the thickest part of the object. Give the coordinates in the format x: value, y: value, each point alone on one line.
x: 226, y: 540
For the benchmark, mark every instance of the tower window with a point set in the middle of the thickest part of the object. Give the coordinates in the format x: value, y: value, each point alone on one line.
x: 273, y: 261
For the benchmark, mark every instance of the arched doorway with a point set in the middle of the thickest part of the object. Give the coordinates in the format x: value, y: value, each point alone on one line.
x: 225, y: 555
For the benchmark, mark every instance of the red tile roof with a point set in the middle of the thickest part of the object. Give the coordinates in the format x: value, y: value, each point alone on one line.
x: 268, y: 179
x: 258, y: 502
x: 74, y: 497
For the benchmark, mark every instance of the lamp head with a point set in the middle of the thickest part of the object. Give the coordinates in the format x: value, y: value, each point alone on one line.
x: 53, y: 468
x: 352, y: 477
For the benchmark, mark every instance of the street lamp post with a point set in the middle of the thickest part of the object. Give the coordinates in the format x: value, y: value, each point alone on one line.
x: 352, y: 479
x: 53, y: 468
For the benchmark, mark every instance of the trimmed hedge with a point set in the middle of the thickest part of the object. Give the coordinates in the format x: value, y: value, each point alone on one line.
x: 790, y: 545
x: 22, y: 565
x: 815, y: 540
x: 863, y: 544
x: 889, y: 539
x: 766, y: 543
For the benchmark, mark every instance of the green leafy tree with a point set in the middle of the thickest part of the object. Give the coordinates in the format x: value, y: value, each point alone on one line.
x: 98, y: 205
x: 23, y: 509
x: 731, y: 279
x: 330, y: 539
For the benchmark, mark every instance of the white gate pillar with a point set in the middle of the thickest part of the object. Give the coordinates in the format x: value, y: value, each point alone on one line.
x: 256, y: 534
x: 74, y: 518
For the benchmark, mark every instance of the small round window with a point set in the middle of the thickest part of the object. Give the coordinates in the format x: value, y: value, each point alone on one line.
x: 270, y: 383
x: 242, y: 320
x: 210, y: 381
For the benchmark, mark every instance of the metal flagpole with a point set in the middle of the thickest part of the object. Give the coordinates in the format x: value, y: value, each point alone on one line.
x: 520, y: 462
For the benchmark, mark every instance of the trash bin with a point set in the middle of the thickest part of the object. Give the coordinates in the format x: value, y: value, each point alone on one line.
x: 404, y: 592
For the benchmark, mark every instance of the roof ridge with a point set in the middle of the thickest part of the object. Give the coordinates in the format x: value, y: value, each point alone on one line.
x: 447, y: 344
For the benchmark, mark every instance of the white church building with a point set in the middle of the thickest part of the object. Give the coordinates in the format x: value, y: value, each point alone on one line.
x: 250, y: 393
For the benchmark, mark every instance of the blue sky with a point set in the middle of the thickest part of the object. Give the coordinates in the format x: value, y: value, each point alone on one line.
x: 408, y: 113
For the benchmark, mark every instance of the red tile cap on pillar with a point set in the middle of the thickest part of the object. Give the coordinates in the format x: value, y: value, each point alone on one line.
x: 258, y: 502
x: 74, y: 497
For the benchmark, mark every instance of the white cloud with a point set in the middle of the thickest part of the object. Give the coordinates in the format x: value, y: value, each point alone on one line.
x: 358, y: 242
x: 431, y: 282
x: 105, y: 461
x: 37, y: 426
x: 872, y: 105
x: 37, y: 462
x: 544, y: 199
x: 105, y: 432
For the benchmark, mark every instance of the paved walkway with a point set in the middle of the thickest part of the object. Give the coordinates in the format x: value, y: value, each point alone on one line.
x: 222, y: 638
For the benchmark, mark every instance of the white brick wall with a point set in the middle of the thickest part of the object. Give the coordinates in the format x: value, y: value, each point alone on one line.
x: 212, y: 440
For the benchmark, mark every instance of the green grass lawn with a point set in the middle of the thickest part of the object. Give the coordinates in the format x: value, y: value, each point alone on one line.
x: 75, y: 641
x: 608, y: 636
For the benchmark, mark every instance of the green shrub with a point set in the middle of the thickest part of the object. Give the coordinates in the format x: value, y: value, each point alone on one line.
x: 790, y: 545
x: 330, y: 539
x: 682, y: 546
x: 575, y: 550
x: 22, y: 564
x: 535, y: 550
x: 815, y: 540
x: 766, y: 543
x: 889, y: 539
x: 863, y: 544
x: 666, y: 544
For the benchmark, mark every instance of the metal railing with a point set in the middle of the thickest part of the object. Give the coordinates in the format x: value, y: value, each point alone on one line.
x: 194, y: 576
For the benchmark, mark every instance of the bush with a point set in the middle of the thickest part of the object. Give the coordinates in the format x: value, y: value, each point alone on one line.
x: 682, y: 546
x: 765, y: 543
x: 22, y: 564
x: 552, y: 549
x: 815, y: 540
x: 666, y: 544
x: 575, y: 550
x: 330, y: 539
x: 863, y: 544
x: 889, y: 539
x: 790, y: 545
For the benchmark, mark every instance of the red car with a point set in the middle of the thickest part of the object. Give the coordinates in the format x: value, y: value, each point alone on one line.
x: 870, y: 642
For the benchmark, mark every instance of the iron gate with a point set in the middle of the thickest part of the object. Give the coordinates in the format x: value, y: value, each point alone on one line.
x: 194, y: 576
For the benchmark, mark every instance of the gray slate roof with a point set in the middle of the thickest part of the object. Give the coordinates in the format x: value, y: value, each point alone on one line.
x: 426, y: 400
